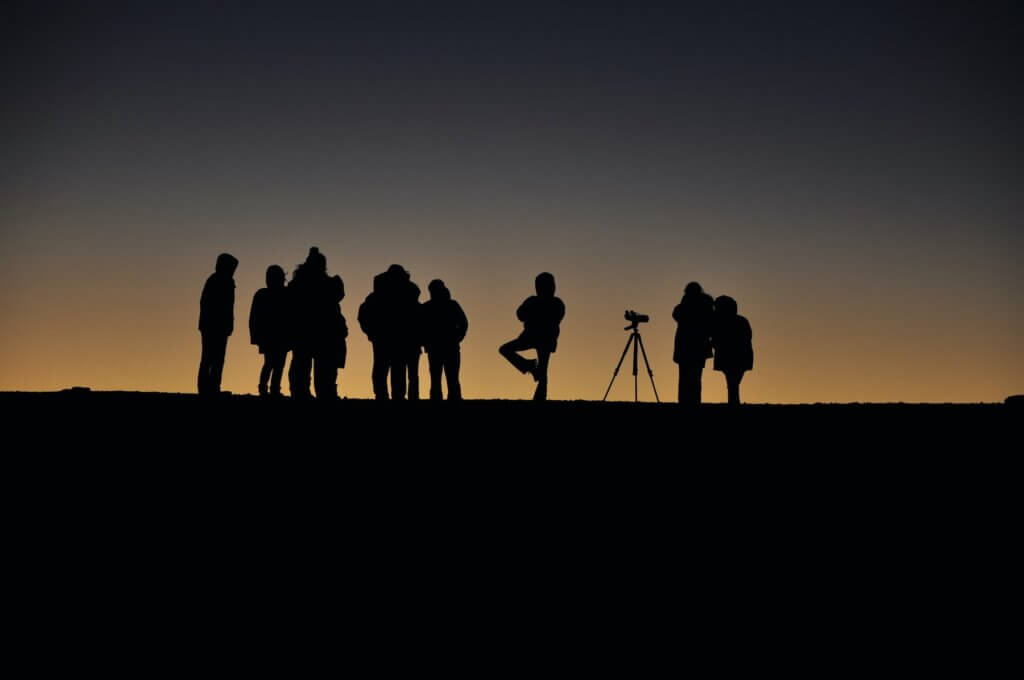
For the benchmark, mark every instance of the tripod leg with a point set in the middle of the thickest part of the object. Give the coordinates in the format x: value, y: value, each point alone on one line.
x: 640, y: 341
x: 636, y: 393
x: 617, y: 367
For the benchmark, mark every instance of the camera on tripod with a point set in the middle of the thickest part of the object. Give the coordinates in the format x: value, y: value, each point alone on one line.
x: 637, y: 342
x: 635, y: 319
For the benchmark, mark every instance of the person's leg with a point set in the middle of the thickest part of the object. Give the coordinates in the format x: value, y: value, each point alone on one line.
x: 277, y: 359
x: 298, y: 373
x: 268, y: 366
x: 435, y: 360
x: 325, y: 377
x: 689, y: 382
x: 219, y: 351
x: 203, y: 380
x: 413, y: 364
x: 509, y: 351
x: 541, y: 374
x: 399, y: 366
x: 732, y: 381
x: 379, y: 374
x: 453, y: 360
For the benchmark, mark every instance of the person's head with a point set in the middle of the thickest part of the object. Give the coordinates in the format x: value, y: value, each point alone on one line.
x: 380, y: 282
x: 316, y: 262
x: 226, y: 264
x: 438, y: 291
x: 545, y: 284
x: 337, y: 288
x: 398, y: 273
x: 725, y: 305
x: 693, y: 288
x: 275, y: 276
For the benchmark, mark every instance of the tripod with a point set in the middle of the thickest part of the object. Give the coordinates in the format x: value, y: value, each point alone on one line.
x: 635, y: 340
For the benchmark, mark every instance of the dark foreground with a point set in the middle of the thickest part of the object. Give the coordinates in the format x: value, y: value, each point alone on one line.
x: 493, y: 433
x: 828, y: 524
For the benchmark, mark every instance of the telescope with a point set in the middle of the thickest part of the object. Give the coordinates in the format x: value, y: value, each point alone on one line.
x: 634, y: 319
x: 637, y: 342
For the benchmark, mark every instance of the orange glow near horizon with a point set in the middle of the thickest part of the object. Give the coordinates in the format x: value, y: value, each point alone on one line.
x: 93, y: 321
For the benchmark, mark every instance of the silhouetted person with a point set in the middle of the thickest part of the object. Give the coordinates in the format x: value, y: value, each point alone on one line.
x: 332, y: 349
x: 693, y: 340
x: 404, y: 313
x: 541, y: 315
x: 734, y: 351
x: 268, y: 329
x: 408, y: 329
x: 372, y: 322
x: 313, y: 300
x: 216, y: 323
x: 390, y: 318
x: 444, y: 327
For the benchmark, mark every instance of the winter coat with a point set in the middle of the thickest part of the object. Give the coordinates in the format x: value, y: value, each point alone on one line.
x: 269, y: 319
x: 734, y: 350
x: 541, y: 317
x: 217, y: 305
x: 694, y: 314
x: 444, y: 324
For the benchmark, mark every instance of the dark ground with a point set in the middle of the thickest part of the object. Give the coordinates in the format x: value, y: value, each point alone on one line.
x: 790, y: 525
x: 357, y: 432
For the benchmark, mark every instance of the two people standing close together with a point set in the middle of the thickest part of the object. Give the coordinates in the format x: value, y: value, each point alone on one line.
x: 710, y: 327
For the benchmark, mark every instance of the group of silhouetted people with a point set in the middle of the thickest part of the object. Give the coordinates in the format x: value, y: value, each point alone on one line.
x: 710, y: 328
x: 304, y: 317
x: 398, y: 326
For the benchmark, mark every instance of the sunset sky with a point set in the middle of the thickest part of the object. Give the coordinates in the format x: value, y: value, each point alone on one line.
x: 849, y: 172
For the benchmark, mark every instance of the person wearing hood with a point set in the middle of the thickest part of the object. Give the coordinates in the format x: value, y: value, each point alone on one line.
x: 541, y: 315
x: 332, y: 348
x: 372, y: 322
x: 216, y: 323
x: 390, y: 318
x: 314, y: 299
x: 268, y: 329
x: 734, y: 351
x: 692, y: 348
x: 444, y: 327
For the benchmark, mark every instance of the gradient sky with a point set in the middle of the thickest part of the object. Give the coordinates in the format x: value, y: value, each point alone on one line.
x: 849, y: 172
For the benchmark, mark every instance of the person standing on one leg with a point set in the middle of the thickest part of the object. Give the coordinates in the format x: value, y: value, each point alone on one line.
x: 268, y: 329
x: 216, y: 323
x: 444, y: 327
x: 734, y: 350
x: 541, y: 315
x: 693, y: 340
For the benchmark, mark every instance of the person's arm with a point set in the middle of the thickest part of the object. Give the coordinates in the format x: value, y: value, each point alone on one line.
x: 523, y: 313
x: 204, y: 305
x: 229, y: 294
x: 254, y: 317
x: 461, y: 322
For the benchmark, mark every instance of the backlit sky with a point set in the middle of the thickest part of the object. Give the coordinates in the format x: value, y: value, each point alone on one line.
x: 849, y: 172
